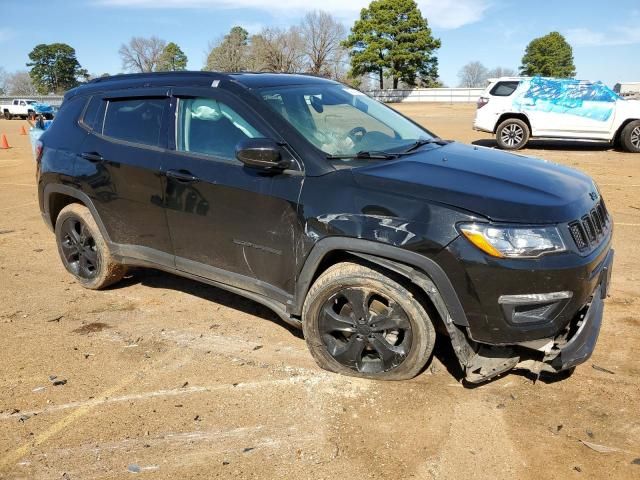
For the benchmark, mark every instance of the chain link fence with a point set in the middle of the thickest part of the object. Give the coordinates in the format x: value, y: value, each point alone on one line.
x: 442, y: 95
x: 53, y: 100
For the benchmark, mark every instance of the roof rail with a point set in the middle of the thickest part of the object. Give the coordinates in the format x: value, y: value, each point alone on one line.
x: 152, y: 75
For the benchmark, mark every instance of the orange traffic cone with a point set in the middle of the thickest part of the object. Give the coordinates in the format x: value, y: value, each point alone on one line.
x: 4, y: 144
x: 23, y: 131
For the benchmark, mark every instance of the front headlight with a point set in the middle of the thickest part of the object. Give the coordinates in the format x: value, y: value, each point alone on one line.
x: 513, y: 241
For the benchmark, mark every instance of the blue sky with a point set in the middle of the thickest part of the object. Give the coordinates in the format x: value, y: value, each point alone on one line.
x: 605, y: 37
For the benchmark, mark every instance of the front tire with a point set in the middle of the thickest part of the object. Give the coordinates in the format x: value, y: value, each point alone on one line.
x: 362, y: 323
x: 630, y: 137
x: 512, y: 134
x: 83, y: 250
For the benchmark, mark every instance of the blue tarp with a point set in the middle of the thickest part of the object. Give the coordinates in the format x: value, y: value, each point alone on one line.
x: 572, y: 97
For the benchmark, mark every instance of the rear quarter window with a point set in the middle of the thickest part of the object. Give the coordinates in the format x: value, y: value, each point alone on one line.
x: 136, y: 120
x: 93, y: 117
x: 61, y: 132
x: 504, y: 89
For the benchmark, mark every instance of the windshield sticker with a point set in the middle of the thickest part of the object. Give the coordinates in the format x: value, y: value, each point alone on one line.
x: 353, y: 91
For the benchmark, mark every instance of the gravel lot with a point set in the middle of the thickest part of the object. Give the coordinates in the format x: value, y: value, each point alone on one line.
x: 168, y: 378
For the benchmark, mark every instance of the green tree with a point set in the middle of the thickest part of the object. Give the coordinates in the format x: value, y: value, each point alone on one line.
x: 230, y: 53
x: 55, y: 68
x: 549, y: 56
x: 172, y: 59
x: 392, y: 39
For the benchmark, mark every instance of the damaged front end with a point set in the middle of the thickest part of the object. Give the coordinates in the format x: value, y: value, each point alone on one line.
x: 572, y: 346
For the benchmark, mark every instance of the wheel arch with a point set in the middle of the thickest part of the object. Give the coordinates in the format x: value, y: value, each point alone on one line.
x: 421, y: 272
x: 618, y: 134
x: 413, y: 266
x: 508, y: 115
x: 57, y: 196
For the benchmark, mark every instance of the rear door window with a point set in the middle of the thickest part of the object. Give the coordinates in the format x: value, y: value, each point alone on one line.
x: 137, y: 120
x: 504, y: 89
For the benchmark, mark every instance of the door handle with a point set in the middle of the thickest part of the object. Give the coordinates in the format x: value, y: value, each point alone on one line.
x: 92, y: 156
x: 182, y: 176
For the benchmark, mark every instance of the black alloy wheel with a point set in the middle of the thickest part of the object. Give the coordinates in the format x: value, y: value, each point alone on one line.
x: 79, y: 249
x: 365, y: 331
x: 366, y: 322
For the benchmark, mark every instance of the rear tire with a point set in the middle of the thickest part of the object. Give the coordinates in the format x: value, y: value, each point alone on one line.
x: 512, y: 134
x: 83, y: 250
x: 360, y: 322
x: 630, y: 137
x: 7, y: 116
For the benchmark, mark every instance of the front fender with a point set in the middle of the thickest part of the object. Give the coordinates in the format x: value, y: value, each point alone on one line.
x: 427, y: 266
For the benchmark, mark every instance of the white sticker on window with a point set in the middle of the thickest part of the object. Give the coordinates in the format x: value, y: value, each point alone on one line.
x: 353, y: 91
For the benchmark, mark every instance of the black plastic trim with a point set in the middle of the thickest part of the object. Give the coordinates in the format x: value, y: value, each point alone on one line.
x: 581, y: 346
x: 77, y: 194
x: 250, y: 288
x: 346, y: 244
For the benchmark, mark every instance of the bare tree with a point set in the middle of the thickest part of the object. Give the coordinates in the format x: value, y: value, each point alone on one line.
x: 278, y: 50
x: 338, y: 65
x: 473, y: 75
x: 501, y: 72
x: 19, y: 84
x: 230, y: 53
x: 141, y: 54
x: 3, y: 80
x: 322, y: 35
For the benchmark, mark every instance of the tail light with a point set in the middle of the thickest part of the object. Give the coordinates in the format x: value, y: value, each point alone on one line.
x: 482, y: 101
x: 39, y: 150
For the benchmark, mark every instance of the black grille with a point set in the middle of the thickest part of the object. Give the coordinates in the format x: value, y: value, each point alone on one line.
x: 591, y: 228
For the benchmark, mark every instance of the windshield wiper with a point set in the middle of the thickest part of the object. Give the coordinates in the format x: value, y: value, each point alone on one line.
x: 385, y: 155
x: 425, y: 141
x: 365, y: 155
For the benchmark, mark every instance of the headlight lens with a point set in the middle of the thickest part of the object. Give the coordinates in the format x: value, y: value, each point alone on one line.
x: 513, y: 241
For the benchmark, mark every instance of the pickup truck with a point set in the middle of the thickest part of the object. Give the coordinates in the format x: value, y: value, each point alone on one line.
x: 24, y: 108
x: 516, y: 109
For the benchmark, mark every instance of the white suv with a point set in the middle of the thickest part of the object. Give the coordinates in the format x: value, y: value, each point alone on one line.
x: 519, y: 108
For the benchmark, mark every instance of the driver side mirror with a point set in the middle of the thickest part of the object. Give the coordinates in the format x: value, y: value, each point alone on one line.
x: 262, y: 154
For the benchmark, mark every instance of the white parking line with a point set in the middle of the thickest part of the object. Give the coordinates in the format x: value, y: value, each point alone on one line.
x: 158, y: 393
x: 618, y: 185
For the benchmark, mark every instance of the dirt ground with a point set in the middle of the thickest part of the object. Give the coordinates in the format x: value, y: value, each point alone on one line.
x: 168, y: 378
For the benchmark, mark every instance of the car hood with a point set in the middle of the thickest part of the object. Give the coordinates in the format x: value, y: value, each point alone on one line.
x: 498, y: 185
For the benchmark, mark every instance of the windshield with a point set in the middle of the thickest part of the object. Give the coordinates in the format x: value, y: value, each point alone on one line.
x: 342, y: 121
x: 31, y: 102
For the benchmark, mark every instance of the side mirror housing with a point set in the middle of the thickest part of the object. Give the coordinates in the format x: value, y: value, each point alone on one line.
x: 261, y: 154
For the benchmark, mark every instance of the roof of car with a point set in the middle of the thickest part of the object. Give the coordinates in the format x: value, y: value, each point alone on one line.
x: 248, y: 79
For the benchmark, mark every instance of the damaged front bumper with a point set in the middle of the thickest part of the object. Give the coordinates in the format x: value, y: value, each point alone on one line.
x: 571, y: 347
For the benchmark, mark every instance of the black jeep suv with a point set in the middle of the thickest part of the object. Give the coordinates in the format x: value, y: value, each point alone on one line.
x: 344, y: 217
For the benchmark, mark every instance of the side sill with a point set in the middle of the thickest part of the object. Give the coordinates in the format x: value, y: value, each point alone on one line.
x: 244, y: 286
